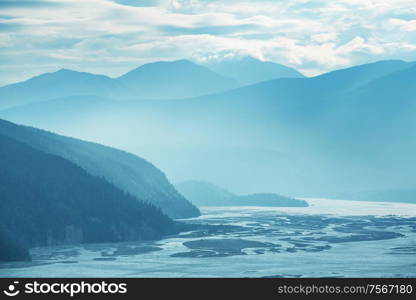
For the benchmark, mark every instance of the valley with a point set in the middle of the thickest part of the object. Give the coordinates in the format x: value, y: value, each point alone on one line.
x: 252, y: 242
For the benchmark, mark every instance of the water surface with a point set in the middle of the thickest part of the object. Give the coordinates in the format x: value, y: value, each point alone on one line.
x: 331, y: 238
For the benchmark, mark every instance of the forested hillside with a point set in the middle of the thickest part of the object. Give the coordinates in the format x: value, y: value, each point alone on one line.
x: 47, y: 200
x: 126, y: 171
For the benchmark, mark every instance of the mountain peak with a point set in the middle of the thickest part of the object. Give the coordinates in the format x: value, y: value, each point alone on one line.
x: 58, y: 84
x: 250, y: 70
x: 175, y: 79
x: 178, y: 62
x: 380, y: 64
x: 81, y: 74
x: 164, y: 65
x: 355, y: 76
x: 66, y: 71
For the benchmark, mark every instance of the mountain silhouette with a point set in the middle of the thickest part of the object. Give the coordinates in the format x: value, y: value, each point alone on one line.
x: 47, y: 200
x: 203, y: 193
x: 159, y: 80
x: 248, y: 70
x: 126, y: 171
x: 58, y: 84
x: 288, y: 135
x: 175, y: 79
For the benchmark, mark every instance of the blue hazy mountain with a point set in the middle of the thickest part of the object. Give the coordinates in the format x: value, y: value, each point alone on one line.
x: 295, y: 91
x: 47, y: 200
x: 394, y: 84
x: 377, y: 118
x: 126, y: 171
x: 347, y: 130
x: 203, y: 193
x: 248, y: 70
x: 159, y: 80
x: 61, y: 83
x: 383, y: 106
x: 353, y: 77
x: 174, y: 79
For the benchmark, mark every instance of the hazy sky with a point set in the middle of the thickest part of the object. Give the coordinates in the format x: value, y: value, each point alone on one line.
x: 111, y: 37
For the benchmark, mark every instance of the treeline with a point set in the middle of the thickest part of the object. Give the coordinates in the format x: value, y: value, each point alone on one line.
x: 124, y: 170
x: 47, y: 200
x: 203, y: 193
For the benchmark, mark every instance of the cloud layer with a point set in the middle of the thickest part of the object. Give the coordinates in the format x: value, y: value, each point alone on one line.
x: 111, y: 37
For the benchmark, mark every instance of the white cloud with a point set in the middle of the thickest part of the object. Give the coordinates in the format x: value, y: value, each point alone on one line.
x: 403, y: 24
x: 110, y: 37
x: 324, y: 37
x: 358, y: 44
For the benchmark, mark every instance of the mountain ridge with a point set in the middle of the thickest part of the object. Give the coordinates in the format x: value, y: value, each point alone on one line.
x: 174, y: 79
x: 301, y: 130
x: 248, y: 70
x: 126, y: 171
x: 203, y: 193
x: 47, y: 200
x: 51, y: 85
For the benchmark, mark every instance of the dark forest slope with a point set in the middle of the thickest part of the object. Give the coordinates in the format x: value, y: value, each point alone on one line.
x: 126, y: 171
x: 47, y: 200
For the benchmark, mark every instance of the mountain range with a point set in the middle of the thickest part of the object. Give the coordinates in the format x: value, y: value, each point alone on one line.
x: 203, y: 193
x: 176, y: 79
x: 58, y: 84
x: 158, y: 80
x: 48, y: 200
x: 127, y: 172
x: 347, y: 130
x: 248, y: 70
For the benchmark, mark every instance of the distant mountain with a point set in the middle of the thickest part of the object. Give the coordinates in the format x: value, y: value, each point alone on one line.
x: 207, y: 194
x: 47, y: 200
x: 377, y: 117
x: 126, y: 171
x: 203, y: 193
x: 159, y: 80
x: 62, y: 83
x: 393, y: 84
x: 248, y: 70
x: 269, y: 200
x: 174, y: 79
x: 347, y: 130
x: 312, y: 91
x: 354, y: 77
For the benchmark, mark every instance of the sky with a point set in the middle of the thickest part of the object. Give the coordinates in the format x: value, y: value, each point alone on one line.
x: 114, y: 36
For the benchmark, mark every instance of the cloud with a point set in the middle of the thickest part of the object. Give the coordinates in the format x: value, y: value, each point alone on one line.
x: 30, y: 4
x: 113, y: 36
x: 358, y: 44
x: 324, y: 37
x: 9, y: 26
x: 403, y: 24
x: 140, y: 3
x: 214, y: 30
